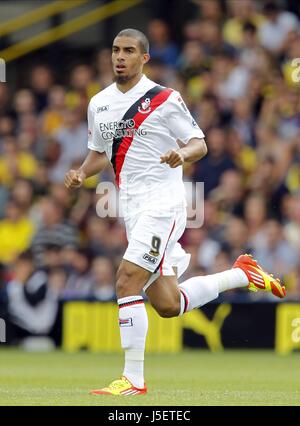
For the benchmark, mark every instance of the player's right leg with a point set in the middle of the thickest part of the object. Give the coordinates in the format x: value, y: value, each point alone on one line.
x: 133, y: 324
x: 148, y: 237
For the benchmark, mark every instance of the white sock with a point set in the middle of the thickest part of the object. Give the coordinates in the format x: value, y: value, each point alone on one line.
x: 133, y: 323
x: 197, y: 291
x: 233, y: 278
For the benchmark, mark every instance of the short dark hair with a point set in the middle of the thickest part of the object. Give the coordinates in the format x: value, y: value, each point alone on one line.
x: 270, y: 7
x: 248, y: 26
x: 137, y: 35
x: 26, y: 256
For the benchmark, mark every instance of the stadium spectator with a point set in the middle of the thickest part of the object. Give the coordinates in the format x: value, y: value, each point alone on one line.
x: 102, y: 274
x: 210, y: 10
x: 32, y: 303
x: 241, y: 12
x: 79, y: 281
x: 207, y: 112
x: 54, y: 231
x: 41, y: 81
x: 273, y: 251
x: 6, y: 125
x: 104, y: 68
x: 274, y: 31
x: 97, y: 231
x: 16, y: 232
x: 52, y: 117
x: 70, y: 139
x: 249, y: 49
x: 83, y: 87
x: 255, y: 214
x: 236, y: 238
x: 192, y: 60
x: 5, y: 106
x: 243, y: 120
x: 292, y: 226
x: 22, y: 193
x: 211, y: 167
x: 24, y: 102
x: 231, y: 79
x: 160, y: 45
x: 207, y: 249
x: 212, y: 41
x: 15, y: 163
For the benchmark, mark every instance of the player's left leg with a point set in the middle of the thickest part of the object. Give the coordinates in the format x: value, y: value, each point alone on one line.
x: 172, y: 299
x: 164, y: 296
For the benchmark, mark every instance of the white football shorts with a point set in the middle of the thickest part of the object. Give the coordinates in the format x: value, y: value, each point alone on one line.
x: 153, y: 243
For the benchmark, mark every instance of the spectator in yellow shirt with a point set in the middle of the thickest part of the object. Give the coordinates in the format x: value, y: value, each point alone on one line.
x: 52, y: 118
x: 16, y: 231
x: 15, y: 163
x: 242, y: 12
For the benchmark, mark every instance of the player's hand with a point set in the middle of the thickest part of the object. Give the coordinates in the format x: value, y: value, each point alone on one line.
x: 74, y: 178
x: 173, y: 157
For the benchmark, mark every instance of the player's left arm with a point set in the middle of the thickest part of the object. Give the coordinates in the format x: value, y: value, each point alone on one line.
x: 193, y: 151
x: 178, y: 119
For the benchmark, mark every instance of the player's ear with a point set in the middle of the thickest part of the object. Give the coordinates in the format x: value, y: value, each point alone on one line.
x: 146, y: 58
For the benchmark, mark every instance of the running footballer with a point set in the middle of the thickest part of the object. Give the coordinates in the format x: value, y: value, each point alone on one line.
x: 136, y: 124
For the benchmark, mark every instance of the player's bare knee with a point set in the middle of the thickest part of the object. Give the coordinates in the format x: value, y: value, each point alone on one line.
x: 130, y: 280
x: 123, y: 284
x: 169, y: 311
x: 123, y: 279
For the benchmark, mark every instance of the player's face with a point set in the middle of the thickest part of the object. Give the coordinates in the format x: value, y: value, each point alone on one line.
x: 127, y: 59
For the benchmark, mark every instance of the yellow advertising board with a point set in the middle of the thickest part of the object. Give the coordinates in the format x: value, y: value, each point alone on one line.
x: 94, y: 326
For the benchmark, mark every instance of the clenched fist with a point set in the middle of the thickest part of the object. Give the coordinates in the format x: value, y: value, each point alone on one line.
x: 74, y: 178
x: 173, y: 157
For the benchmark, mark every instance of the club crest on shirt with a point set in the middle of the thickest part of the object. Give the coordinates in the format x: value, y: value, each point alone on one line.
x: 145, y: 107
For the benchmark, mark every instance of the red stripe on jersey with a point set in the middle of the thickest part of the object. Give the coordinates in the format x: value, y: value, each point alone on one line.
x: 138, y: 119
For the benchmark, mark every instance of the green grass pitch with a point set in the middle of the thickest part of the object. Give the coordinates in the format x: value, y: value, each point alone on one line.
x: 189, y: 378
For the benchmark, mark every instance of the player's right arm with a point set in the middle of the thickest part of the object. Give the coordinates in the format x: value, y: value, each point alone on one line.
x: 94, y: 163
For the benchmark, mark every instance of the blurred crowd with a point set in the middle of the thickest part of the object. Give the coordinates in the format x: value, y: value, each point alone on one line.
x: 234, y: 70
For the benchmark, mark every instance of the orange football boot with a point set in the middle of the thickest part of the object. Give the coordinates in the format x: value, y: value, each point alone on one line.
x: 259, y: 280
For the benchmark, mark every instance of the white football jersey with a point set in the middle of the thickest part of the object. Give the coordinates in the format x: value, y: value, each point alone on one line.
x: 134, y: 129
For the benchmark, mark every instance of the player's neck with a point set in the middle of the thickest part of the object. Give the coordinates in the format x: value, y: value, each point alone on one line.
x: 129, y: 84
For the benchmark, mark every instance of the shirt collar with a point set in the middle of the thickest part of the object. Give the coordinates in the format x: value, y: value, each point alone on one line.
x: 140, y: 83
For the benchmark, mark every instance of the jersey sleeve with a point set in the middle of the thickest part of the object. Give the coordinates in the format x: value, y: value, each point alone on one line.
x: 94, y: 139
x: 179, y: 120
